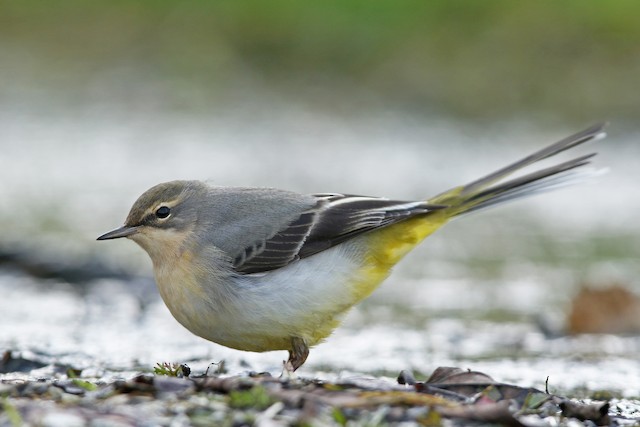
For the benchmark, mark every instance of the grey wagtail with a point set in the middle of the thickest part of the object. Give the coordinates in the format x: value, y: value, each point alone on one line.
x: 261, y: 269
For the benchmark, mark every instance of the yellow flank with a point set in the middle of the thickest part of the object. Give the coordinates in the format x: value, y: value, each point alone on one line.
x: 388, y: 245
x: 319, y: 332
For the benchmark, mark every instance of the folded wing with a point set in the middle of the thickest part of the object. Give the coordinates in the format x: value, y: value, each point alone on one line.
x: 334, y: 219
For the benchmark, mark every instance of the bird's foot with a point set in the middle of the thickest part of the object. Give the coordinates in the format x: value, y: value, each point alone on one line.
x: 288, y: 371
x: 297, y: 355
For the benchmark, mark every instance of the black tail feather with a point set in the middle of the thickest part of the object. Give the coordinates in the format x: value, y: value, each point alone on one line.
x: 491, y: 189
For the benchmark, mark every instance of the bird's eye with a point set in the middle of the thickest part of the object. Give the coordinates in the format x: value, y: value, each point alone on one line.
x: 163, y: 212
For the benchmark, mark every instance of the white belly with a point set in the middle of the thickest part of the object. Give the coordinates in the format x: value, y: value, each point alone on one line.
x: 261, y: 312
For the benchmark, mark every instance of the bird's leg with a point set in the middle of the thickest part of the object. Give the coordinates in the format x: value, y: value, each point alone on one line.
x: 297, y: 355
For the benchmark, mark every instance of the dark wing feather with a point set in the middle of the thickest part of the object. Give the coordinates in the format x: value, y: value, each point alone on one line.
x: 278, y: 250
x: 334, y: 219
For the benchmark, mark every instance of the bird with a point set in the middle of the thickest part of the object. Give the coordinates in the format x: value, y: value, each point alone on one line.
x: 263, y: 269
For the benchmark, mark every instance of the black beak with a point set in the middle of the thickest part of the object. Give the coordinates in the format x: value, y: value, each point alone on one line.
x: 119, y: 232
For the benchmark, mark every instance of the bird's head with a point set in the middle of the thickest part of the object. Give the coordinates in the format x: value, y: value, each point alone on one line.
x: 162, y: 218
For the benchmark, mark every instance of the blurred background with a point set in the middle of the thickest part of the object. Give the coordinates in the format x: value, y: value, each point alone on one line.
x: 100, y: 101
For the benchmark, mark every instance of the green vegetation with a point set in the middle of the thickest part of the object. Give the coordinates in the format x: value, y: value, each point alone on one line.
x: 12, y: 414
x: 86, y: 385
x: 172, y: 369
x: 577, y: 58
x: 256, y: 397
x: 74, y: 375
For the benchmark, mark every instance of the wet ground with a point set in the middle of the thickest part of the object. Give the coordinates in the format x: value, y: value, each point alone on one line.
x: 489, y: 293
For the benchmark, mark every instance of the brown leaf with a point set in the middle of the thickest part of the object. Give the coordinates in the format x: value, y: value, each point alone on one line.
x: 497, y: 413
x: 450, y: 375
x: 613, y: 310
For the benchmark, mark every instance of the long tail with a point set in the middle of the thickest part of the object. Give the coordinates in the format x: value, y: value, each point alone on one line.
x: 387, y: 245
x: 492, y: 189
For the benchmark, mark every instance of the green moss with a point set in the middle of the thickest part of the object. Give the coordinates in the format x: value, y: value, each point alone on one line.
x: 339, y: 417
x: 256, y: 398
x: 14, y: 417
x: 86, y: 385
